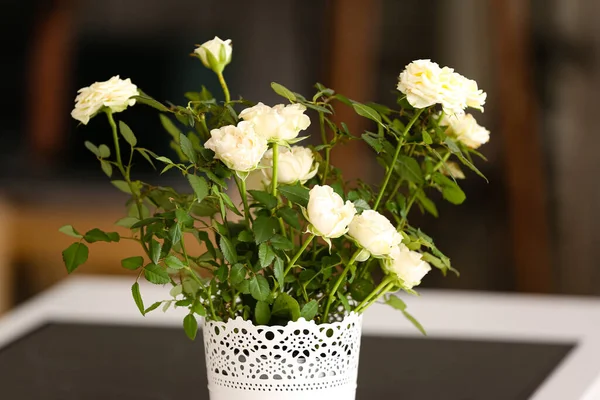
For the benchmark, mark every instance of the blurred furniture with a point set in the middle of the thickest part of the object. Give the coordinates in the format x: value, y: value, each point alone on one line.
x: 6, y: 252
x: 524, y: 162
x: 36, y: 244
x: 478, y: 323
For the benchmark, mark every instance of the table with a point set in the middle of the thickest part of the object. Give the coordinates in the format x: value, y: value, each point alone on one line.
x: 87, y: 331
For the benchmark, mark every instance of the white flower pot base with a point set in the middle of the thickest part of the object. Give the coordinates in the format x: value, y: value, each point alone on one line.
x: 299, y: 361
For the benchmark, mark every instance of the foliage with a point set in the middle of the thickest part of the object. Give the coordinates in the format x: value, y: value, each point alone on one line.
x: 258, y: 261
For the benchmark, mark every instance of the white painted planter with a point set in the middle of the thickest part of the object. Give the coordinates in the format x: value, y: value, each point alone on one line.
x: 299, y: 361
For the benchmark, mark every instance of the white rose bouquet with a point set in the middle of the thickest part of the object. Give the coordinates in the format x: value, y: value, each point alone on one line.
x: 303, y: 242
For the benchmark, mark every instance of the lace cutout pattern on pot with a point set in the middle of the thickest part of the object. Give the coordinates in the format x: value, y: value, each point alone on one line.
x: 297, y: 357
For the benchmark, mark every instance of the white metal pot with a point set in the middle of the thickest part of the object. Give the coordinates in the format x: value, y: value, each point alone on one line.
x: 299, y: 361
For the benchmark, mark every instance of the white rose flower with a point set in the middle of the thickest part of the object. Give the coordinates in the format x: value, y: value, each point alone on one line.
x: 466, y: 129
x: 279, y: 123
x: 115, y: 94
x: 215, y: 54
x: 293, y: 165
x: 424, y: 83
x: 329, y: 217
x: 239, y: 147
x: 420, y: 82
x: 406, y: 265
x: 374, y: 233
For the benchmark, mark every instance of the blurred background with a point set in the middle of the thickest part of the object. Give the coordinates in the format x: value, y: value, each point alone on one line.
x: 532, y: 228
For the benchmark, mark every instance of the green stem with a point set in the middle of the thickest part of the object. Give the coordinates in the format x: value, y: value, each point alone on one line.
x: 442, y: 162
x: 241, y: 183
x: 224, y: 86
x: 327, y: 149
x: 275, y: 166
x: 385, y: 290
x: 377, y: 292
x: 390, y: 170
x: 339, y: 282
x: 196, y: 278
x: 125, y: 173
x: 298, y: 254
x: 113, y: 125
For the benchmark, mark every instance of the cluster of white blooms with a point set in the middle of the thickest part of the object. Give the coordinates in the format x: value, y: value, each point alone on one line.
x: 115, y: 94
x: 215, y: 54
x: 466, y: 129
x: 280, y: 124
x: 330, y: 218
x: 407, y: 265
x: 425, y: 83
x: 239, y: 147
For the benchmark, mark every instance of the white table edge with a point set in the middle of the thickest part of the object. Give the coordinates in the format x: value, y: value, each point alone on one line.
x: 445, y: 314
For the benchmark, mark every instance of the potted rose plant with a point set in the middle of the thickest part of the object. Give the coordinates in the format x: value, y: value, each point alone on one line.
x: 287, y: 271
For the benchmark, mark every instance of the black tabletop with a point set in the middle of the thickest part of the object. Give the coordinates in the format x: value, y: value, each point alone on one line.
x: 77, y: 361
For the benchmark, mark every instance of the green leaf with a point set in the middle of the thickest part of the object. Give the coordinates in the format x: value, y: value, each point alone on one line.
x: 281, y: 243
x: 278, y: 272
x: 228, y: 250
x: 427, y: 204
x: 426, y: 137
x: 450, y: 189
x: 143, y: 98
x: 296, y: 194
x: 153, y: 307
x: 286, y: 306
x: 175, y: 234
x: 373, y: 141
x: 283, y: 91
x: 262, y: 313
x: 366, y: 112
x: 408, y: 168
x: 92, y: 147
x: 132, y: 263
x: 75, y: 255
x: 398, y: 304
x: 344, y: 301
x: 127, y: 134
x: 199, y: 185
x: 289, y: 216
x: 104, y: 151
x: 237, y: 274
x: 145, y: 222
x: 155, y: 248
x: 266, y: 255
x: 264, y: 228
x: 170, y: 127
x: 259, y: 287
x: 144, y: 154
x: 361, y: 205
x: 264, y: 198
x: 106, y: 168
x: 96, y: 235
x: 221, y: 273
x: 361, y: 288
x: 127, y: 222
x: 156, y: 274
x: 190, y: 326
x: 246, y: 237
x: 137, y: 297
x: 173, y: 262
x: 309, y: 310
x: 187, y: 148
x: 70, y: 231
x: 199, y: 309
x: 122, y: 186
